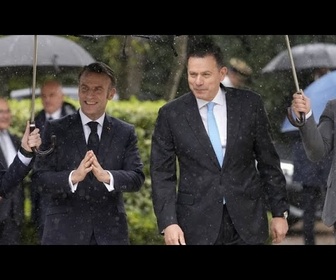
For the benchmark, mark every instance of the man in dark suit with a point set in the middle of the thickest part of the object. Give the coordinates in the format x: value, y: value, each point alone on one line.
x: 87, y: 205
x: 203, y: 200
x: 11, y: 209
x: 54, y: 107
x: 16, y: 157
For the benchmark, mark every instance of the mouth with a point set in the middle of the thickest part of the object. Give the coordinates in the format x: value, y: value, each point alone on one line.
x: 90, y: 102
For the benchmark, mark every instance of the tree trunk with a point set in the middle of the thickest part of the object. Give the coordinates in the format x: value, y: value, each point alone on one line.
x: 180, y: 45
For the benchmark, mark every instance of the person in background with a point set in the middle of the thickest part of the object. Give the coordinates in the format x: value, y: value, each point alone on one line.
x: 11, y: 209
x: 86, y: 186
x: 54, y: 107
x: 311, y: 175
x: 238, y: 74
x: 15, y: 163
x: 319, y: 142
x: 202, y: 199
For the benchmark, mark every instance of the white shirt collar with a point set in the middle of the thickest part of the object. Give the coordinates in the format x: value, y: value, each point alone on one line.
x: 85, y: 119
x: 56, y: 115
x: 218, y: 99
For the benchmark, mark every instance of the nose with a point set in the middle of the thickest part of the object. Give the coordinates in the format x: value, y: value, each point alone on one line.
x: 199, y: 80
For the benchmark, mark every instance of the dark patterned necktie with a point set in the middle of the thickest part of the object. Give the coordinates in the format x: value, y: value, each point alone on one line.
x: 93, y: 142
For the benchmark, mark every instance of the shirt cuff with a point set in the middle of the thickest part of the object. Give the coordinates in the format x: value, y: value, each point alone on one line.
x: 25, y: 160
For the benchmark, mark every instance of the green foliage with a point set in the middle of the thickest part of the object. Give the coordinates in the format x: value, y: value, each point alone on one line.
x: 143, y: 229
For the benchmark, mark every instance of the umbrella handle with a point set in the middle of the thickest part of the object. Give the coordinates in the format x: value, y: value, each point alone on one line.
x: 48, y: 151
x: 296, y: 122
x: 301, y: 121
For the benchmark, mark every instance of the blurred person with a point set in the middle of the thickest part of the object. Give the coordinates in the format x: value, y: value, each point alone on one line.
x: 11, y: 209
x: 54, y: 107
x: 312, y: 176
x: 319, y: 143
x: 15, y: 157
x: 238, y: 74
x: 199, y: 199
x: 86, y: 187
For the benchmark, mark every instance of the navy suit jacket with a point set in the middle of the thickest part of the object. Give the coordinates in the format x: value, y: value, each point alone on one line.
x: 12, y: 177
x: 40, y: 118
x: 250, y: 180
x: 13, y: 205
x: 319, y: 142
x: 72, y: 218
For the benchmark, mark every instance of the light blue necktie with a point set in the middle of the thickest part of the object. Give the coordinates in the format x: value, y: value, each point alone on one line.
x: 214, y: 133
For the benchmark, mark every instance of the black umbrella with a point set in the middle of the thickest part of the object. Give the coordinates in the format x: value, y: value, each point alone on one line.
x: 305, y: 56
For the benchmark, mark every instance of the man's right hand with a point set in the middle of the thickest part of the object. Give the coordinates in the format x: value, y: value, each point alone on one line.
x: 173, y: 235
x: 31, y: 139
x: 83, y: 169
x: 300, y: 104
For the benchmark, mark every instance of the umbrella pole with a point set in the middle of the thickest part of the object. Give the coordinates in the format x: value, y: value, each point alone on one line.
x: 301, y: 121
x: 32, y: 114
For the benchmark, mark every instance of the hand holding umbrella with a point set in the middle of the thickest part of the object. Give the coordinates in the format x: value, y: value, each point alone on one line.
x: 302, y: 120
x: 32, y: 117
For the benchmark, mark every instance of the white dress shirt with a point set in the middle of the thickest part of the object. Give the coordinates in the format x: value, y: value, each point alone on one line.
x: 220, y: 113
x: 87, y: 130
x: 7, y: 147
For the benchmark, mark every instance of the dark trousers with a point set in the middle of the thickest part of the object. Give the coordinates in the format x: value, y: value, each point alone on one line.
x: 10, y: 232
x: 227, y: 233
x: 93, y: 240
x: 312, y: 200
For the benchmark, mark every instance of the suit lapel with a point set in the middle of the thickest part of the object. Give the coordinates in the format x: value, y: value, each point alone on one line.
x: 234, y: 118
x: 77, y: 133
x: 105, y: 139
x: 234, y: 115
x: 196, y: 124
x: 2, y: 159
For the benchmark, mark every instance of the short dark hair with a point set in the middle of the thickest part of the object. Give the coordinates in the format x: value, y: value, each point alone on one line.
x: 204, y: 48
x: 99, y: 67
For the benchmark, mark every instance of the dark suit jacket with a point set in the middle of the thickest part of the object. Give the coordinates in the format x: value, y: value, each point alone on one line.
x: 12, y: 207
x: 13, y: 176
x: 39, y: 202
x: 40, y: 117
x: 71, y: 218
x: 319, y: 142
x: 306, y: 172
x: 251, y: 179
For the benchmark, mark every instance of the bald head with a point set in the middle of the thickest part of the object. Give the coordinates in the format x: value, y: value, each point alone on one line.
x: 52, y: 96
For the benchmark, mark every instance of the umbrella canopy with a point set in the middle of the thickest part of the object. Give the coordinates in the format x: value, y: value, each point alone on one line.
x: 305, y: 56
x: 319, y: 92
x: 54, y: 53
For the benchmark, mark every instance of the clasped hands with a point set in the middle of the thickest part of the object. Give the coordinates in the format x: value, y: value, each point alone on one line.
x: 88, y: 164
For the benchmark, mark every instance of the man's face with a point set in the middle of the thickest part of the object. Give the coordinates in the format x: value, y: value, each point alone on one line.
x: 52, y: 97
x: 5, y: 115
x: 94, y: 93
x: 204, y: 77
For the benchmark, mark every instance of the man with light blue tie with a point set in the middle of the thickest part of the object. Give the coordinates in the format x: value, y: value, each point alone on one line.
x: 216, y: 190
